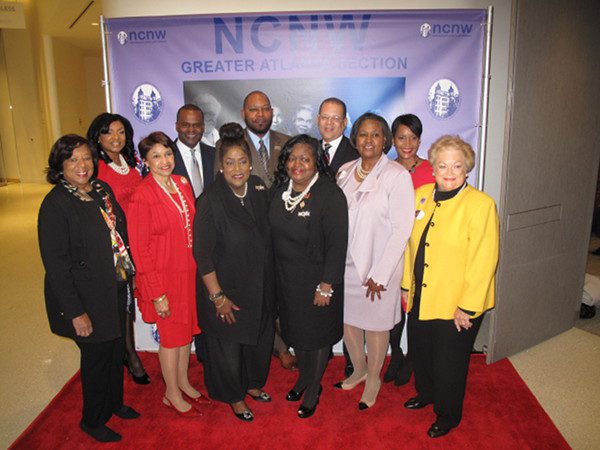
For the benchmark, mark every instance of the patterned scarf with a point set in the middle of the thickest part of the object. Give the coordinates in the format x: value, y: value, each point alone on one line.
x: 123, y: 264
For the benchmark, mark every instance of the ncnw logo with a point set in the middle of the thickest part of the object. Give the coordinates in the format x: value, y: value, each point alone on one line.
x: 147, y: 36
x: 446, y: 29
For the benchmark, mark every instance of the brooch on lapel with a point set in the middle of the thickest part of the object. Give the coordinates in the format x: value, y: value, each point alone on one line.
x: 303, y: 213
x: 259, y: 187
x: 422, y: 200
x: 183, y: 180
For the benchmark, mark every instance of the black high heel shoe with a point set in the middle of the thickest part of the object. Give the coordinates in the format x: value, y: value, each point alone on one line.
x: 294, y: 396
x: 143, y: 379
x: 305, y: 412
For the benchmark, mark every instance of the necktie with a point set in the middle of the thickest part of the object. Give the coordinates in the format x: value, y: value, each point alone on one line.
x: 196, y: 175
x: 326, y: 148
x: 264, y: 156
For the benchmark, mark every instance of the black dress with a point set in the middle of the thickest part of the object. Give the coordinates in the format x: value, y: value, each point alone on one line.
x: 310, y: 247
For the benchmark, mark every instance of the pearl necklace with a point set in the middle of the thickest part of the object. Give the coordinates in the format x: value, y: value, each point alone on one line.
x: 362, y: 174
x: 184, y: 211
x: 291, y: 202
x: 241, y: 197
x: 123, y: 169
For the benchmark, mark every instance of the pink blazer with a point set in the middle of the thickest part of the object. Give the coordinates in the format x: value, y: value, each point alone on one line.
x: 381, y: 215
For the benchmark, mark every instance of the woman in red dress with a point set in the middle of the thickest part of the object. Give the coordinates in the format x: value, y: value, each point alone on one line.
x: 111, y: 135
x: 406, y: 133
x: 160, y: 220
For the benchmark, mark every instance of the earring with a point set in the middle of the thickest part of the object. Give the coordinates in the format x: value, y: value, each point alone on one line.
x: 221, y: 170
x: 251, y: 167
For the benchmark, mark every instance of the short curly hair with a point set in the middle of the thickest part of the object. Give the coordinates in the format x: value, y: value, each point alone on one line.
x: 63, y: 150
x: 455, y: 142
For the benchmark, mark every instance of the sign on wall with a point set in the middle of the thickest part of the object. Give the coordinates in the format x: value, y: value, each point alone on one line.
x: 428, y: 63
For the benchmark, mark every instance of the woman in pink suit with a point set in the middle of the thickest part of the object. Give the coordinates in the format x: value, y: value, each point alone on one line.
x: 160, y: 220
x: 380, y: 207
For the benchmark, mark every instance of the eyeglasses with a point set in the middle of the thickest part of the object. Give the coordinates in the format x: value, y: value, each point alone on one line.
x: 336, y: 119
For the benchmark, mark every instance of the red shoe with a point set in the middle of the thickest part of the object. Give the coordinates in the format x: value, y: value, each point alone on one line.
x: 202, y: 400
x: 191, y: 413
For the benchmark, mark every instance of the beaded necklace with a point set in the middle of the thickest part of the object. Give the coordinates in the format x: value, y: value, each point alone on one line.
x: 290, y: 202
x: 184, y: 211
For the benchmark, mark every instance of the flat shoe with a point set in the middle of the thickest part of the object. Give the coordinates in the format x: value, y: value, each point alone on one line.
x: 127, y: 413
x: 294, y: 396
x: 246, y: 415
x: 305, y: 412
x: 362, y: 406
x: 101, y: 433
x: 415, y: 403
x: 263, y: 397
x: 435, y: 431
x: 347, y: 386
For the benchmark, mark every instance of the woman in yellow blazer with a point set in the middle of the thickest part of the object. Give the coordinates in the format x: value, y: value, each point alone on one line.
x: 448, y: 280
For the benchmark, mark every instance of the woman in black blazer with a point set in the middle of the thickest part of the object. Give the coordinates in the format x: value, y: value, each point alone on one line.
x: 83, y: 243
x: 235, y: 288
x: 309, y: 219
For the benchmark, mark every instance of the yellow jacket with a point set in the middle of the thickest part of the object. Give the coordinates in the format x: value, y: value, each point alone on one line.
x: 461, y: 253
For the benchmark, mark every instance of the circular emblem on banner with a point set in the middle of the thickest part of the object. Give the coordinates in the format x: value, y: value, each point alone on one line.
x: 146, y: 102
x: 122, y: 37
x: 155, y: 334
x: 443, y: 98
x: 425, y: 29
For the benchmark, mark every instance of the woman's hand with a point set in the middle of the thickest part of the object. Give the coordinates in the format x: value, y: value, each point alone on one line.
x: 374, y: 289
x: 161, y: 304
x: 322, y: 300
x: 83, y: 325
x: 462, y: 320
x: 225, y: 308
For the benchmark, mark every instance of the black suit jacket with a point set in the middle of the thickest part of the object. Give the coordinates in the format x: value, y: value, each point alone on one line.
x: 207, y: 153
x: 344, y: 153
x: 236, y: 244
x: 77, y: 254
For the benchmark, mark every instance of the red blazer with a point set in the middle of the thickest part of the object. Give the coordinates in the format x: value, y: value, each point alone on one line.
x: 158, y: 240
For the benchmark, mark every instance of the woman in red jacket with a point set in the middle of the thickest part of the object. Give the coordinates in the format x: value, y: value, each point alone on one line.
x: 160, y: 219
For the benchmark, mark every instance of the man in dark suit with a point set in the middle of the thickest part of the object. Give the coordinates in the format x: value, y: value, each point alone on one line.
x: 332, y: 121
x: 193, y: 159
x: 258, y: 116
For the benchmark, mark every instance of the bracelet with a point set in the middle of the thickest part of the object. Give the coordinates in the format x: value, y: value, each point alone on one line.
x: 322, y: 292
x: 159, y: 299
x: 222, y: 301
x: 214, y: 297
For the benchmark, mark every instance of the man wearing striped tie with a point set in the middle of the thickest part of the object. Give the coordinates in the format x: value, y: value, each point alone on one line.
x: 265, y: 144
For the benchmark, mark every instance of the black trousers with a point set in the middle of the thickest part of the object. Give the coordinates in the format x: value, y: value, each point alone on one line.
x: 231, y: 368
x: 440, y: 357
x: 101, y: 380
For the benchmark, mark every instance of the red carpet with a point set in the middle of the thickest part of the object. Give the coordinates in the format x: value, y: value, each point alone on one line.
x: 499, y: 413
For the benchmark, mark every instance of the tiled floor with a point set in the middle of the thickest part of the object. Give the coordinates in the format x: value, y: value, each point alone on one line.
x: 562, y: 372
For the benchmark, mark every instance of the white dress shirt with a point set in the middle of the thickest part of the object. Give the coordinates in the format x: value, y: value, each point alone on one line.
x: 186, y: 155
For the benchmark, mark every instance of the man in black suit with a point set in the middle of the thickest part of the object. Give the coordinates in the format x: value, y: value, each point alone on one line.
x: 193, y: 159
x: 332, y: 121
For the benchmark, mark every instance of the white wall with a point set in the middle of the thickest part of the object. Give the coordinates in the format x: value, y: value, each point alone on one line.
x: 500, y: 45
